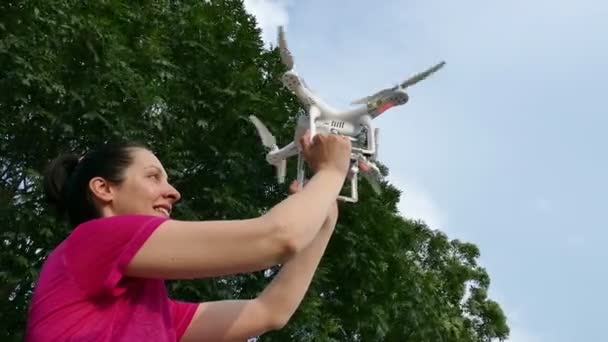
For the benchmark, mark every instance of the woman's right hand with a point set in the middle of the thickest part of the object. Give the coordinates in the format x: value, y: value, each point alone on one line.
x: 326, y: 152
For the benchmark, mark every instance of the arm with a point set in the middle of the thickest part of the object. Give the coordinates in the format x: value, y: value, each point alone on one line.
x: 237, y: 320
x: 283, y: 296
x: 181, y: 250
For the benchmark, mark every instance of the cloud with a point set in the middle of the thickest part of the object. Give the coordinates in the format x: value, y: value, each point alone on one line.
x: 576, y: 242
x: 542, y: 35
x: 518, y: 333
x: 542, y: 205
x: 516, y: 320
x: 417, y: 203
x: 270, y: 14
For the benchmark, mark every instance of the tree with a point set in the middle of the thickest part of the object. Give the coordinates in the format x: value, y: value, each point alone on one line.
x: 182, y: 77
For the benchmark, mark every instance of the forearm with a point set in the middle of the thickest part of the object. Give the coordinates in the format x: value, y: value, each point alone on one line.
x: 285, y: 293
x: 302, y: 214
x: 271, y: 310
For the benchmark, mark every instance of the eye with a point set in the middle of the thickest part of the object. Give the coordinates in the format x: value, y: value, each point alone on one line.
x: 154, y: 176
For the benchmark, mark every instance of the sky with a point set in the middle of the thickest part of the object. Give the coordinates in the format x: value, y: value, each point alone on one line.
x: 505, y: 147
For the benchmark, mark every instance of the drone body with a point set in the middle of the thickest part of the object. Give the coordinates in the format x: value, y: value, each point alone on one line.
x: 354, y: 123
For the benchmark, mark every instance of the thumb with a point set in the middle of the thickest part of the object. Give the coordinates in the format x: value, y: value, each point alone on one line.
x: 294, y: 187
x: 305, y: 140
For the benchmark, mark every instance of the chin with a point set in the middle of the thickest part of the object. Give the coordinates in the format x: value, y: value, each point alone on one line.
x: 156, y: 213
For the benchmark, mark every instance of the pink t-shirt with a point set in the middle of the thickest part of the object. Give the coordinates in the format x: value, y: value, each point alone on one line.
x: 83, y: 295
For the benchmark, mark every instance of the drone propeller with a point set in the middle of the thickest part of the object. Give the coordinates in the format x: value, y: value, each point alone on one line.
x: 371, y: 173
x: 286, y: 56
x: 270, y: 142
x: 409, y: 82
x: 373, y: 181
x: 421, y: 76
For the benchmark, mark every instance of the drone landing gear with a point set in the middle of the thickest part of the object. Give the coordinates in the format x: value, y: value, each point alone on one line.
x: 353, y: 175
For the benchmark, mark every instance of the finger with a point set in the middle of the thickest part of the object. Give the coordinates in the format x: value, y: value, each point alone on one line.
x: 294, y: 187
x: 317, y: 138
x: 305, y: 140
x: 310, y: 142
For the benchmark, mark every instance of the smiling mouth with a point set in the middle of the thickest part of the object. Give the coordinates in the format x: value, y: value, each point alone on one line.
x: 163, y: 211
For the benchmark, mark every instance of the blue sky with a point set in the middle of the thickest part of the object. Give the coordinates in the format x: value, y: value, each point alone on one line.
x: 505, y: 147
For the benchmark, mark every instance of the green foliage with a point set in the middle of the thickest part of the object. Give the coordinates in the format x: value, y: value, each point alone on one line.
x: 182, y: 77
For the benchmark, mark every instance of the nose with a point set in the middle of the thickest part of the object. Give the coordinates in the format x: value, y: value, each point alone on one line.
x: 173, y: 194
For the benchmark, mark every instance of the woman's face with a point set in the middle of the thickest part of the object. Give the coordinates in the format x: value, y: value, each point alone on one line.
x: 144, y: 190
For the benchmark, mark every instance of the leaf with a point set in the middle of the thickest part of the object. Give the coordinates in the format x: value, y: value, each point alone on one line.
x: 93, y: 115
x: 202, y: 123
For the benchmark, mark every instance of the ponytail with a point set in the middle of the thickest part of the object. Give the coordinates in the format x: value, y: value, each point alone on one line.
x: 66, y: 180
x: 56, y: 178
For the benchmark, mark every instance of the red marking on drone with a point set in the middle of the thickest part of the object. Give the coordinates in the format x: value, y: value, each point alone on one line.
x: 385, y: 107
x: 363, y: 167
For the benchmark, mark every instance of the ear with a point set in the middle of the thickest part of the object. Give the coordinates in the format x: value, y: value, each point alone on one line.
x: 101, y: 189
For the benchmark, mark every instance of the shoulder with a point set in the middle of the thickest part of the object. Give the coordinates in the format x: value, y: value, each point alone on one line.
x: 120, y: 221
x: 114, y: 230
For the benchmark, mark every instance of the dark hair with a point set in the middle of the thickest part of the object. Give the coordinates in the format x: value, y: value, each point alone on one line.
x: 66, y: 180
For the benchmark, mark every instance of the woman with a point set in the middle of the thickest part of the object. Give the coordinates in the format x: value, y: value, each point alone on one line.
x: 105, y: 281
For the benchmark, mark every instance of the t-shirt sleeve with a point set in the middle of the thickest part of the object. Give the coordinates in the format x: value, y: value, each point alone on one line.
x: 182, y: 314
x: 98, y: 251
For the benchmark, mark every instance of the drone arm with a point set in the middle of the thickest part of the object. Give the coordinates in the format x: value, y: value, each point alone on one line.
x: 278, y: 158
x: 353, y: 113
x: 289, y: 150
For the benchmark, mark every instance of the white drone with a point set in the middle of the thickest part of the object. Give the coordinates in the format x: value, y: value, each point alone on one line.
x: 356, y: 124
